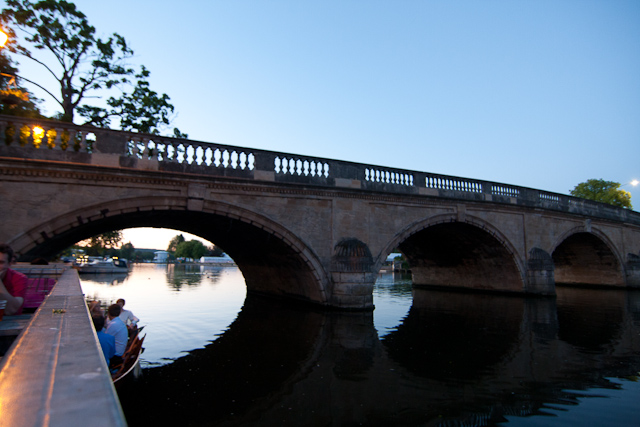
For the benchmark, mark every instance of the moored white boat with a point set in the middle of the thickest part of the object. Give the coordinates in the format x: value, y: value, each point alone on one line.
x: 111, y: 265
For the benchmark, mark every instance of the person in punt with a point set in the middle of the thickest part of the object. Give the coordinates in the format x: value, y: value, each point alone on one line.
x: 95, y: 309
x: 107, y: 342
x: 128, y: 318
x: 118, y: 330
x: 13, y: 284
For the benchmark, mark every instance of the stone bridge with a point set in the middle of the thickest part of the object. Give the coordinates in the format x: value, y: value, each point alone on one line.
x: 313, y: 229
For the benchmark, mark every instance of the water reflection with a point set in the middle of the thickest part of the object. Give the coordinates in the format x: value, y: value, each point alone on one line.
x: 181, y: 275
x: 191, y: 275
x: 591, y: 321
x: 442, y: 331
x: 178, y: 318
x: 455, y: 359
x: 105, y: 279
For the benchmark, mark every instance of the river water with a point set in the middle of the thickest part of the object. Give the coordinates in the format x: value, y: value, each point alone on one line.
x: 215, y: 356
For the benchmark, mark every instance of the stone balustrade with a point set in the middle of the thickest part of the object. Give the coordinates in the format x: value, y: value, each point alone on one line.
x: 53, y: 140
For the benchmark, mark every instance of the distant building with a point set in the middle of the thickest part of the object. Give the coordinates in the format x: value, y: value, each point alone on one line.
x: 223, y: 259
x: 160, y: 257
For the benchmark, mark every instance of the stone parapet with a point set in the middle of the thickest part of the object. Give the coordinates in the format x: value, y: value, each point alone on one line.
x: 52, y: 140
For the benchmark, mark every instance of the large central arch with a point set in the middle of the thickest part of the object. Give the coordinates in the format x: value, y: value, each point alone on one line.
x: 272, y: 259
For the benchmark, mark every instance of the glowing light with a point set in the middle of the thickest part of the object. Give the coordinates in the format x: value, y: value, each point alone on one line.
x: 635, y: 182
x: 38, y: 132
x: 3, y: 38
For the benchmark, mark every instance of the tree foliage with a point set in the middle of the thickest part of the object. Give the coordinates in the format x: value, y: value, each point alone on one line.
x: 603, y: 191
x: 85, y: 66
x: 15, y: 100
x: 174, y: 242
x: 110, y: 239
x: 102, y: 244
x: 84, y: 63
x: 142, y: 110
x: 214, y: 251
x: 193, y: 249
x: 127, y: 251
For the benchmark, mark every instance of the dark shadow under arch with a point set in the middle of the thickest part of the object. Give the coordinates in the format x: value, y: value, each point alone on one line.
x: 461, y: 255
x: 583, y: 258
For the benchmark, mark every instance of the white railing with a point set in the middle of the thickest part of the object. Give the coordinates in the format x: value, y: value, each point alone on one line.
x: 455, y: 184
x: 298, y: 166
x: 383, y: 176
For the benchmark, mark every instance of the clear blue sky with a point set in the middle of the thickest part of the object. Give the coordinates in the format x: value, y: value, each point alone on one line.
x: 542, y: 94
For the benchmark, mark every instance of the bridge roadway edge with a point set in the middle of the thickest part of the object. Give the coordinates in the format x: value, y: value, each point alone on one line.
x: 55, y: 374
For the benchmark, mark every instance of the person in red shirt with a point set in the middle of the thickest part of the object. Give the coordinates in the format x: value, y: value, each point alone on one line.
x: 13, y: 284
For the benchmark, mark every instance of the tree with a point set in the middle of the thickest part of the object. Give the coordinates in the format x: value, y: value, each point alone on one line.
x: 85, y: 66
x: 16, y: 100
x: 110, y: 239
x: 193, y: 249
x: 143, y: 256
x: 214, y: 251
x: 174, y: 242
x: 603, y: 191
x: 86, y: 63
x: 142, y: 110
x: 127, y: 251
x: 102, y: 244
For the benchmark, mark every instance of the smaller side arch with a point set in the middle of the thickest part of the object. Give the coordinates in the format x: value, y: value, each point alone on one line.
x: 469, y: 253
x: 584, y: 255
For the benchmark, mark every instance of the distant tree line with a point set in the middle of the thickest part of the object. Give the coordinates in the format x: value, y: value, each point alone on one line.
x: 110, y: 245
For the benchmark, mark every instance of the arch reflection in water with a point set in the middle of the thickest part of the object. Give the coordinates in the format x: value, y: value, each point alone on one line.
x: 455, y: 358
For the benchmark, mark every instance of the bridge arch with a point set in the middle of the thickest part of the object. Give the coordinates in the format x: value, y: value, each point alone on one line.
x: 272, y: 259
x: 584, y: 255
x: 447, y: 251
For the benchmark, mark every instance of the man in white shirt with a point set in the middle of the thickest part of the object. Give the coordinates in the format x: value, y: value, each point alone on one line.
x: 127, y: 317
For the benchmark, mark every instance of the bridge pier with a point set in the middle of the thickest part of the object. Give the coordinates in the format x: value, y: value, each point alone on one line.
x: 540, y: 273
x: 353, y: 291
x: 633, y: 271
x: 352, y: 275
